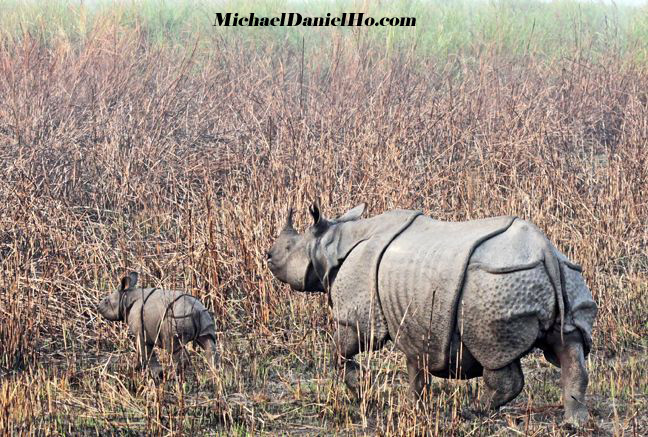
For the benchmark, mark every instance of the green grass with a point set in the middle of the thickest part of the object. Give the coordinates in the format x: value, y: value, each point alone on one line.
x: 463, y: 27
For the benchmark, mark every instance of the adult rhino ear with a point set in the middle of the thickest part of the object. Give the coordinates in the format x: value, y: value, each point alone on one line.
x: 315, y: 213
x: 352, y: 214
x: 320, y: 224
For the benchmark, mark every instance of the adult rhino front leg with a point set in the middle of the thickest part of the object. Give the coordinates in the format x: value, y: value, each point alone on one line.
x: 573, y: 375
x: 348, y: 341
x: 346, y: 345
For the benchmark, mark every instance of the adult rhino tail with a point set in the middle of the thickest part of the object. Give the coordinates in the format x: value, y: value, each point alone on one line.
x: 552, y: 265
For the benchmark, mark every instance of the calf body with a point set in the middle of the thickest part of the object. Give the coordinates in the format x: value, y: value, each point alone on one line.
x: 163, y: 318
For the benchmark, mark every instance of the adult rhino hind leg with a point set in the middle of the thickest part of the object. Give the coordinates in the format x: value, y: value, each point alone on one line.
x: 502, y: 385
x: 502, y: 316
x: 573, y: 375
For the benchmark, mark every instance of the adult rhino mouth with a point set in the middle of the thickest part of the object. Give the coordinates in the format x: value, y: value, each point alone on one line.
x: 304, y: 280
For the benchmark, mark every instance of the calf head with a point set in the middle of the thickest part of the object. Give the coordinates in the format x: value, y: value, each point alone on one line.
x: 294, y: 258
x: 111, y: 306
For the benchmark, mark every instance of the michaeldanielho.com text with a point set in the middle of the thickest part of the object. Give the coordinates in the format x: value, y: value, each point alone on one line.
x: 297, y: 19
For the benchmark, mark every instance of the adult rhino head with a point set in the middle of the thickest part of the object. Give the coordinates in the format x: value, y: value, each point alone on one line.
x: 295, y: 259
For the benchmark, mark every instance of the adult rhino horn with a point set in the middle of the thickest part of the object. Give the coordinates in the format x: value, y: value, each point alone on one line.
x: 289, y: 220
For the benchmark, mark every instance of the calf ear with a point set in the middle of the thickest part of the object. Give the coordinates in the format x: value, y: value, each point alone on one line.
x: 352, y: 214
x: 133, y: 279
x: 128, y: 281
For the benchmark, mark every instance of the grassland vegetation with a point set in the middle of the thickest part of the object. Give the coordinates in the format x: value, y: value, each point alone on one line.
x: 136, y: 136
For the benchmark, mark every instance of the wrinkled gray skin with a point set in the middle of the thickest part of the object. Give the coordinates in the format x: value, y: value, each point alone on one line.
x: 168, y: 319
x: 517, y: 292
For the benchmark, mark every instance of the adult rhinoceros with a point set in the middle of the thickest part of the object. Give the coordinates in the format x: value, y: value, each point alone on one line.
x: 460, y: 299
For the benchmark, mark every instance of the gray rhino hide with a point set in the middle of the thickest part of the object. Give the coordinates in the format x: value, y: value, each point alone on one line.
x: 402, y: 274
x: 416, y: 264
x: 523, y: 245
x: 166, y: 314
x: 355, y: 248
x: 420, y: 281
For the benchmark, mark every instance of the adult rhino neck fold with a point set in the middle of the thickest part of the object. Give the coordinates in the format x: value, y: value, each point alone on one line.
x: 356, y: 281
x: 329, y: 251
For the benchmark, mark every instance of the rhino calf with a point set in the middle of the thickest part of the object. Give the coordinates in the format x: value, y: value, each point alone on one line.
x: 168, y: 319
x: 460, y: 299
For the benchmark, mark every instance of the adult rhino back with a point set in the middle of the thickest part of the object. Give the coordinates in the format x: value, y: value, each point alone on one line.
x: 420, y: 281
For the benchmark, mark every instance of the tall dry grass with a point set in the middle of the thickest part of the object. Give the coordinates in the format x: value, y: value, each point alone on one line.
x: 179, y: 162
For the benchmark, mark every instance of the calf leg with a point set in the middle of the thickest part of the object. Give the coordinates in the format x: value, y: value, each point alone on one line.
x: 147, y: 357
x: 178, y: 353
x: 573, y: 377
x: 208, y: 345
x: 502, y: 385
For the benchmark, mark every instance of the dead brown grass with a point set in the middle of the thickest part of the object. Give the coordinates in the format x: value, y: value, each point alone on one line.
x: 178, y: 162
